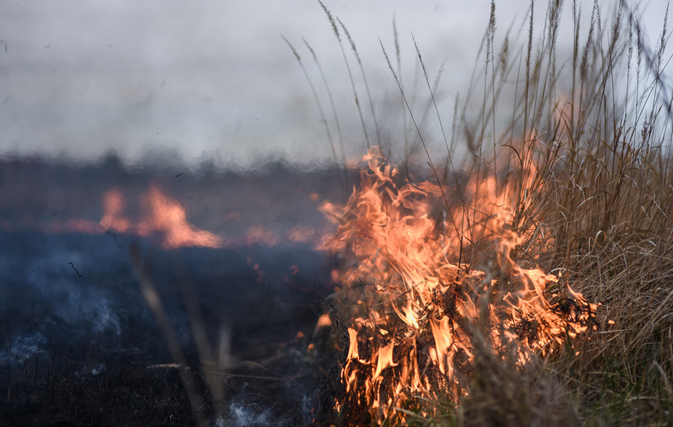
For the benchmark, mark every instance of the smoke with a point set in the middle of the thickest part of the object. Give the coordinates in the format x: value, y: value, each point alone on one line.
x: 241, y: 415
x: 25, y: 347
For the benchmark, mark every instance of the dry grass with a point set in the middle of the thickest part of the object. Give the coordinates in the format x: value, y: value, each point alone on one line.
x: 603, y: 194
x: 596, y: 131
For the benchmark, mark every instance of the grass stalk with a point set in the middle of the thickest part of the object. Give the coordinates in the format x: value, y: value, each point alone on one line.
x: 334, y: 110
x: 322, y: 115
x: 348, y: 68
x: 364, y: 79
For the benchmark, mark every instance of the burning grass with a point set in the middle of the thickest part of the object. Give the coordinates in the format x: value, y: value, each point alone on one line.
x: 534, y: 283
x: 415, y: 312
x: 530, y: 285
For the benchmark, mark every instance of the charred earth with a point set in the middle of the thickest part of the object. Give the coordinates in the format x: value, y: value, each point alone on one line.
x: 79, y: 344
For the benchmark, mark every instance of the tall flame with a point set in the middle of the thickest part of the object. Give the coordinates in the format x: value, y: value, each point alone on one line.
x: 428, y: 267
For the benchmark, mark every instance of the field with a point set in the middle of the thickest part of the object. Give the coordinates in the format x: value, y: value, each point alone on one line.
x: 519, y: 274
x: 80, y: 345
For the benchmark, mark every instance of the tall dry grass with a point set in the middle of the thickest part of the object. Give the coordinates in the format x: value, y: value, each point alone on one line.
x: 596, y: 130
x: 603, y: 192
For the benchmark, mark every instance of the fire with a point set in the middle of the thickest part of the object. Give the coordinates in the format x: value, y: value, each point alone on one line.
x: 166, y: 220
x: 167, y: 217
x: 162, y: 216
x: 114, y: 204
x: 430, y: 268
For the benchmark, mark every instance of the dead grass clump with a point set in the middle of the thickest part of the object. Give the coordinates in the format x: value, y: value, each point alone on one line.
x: 504, y: 394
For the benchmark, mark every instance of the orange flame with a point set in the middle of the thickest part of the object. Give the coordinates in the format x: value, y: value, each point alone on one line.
x: 169, y: 218
x: 113, y: 205
x: 417, y: 248
x: 162, y: 215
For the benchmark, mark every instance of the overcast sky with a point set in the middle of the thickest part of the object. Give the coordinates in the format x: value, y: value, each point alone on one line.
x: 213, y: 78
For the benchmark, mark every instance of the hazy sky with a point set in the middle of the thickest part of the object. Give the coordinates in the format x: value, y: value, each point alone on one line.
x: 213, y: 78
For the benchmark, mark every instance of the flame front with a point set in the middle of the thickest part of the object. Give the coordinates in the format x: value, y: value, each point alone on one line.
x: 425, y: 268
x: 169, y: 218
x: 165, y: 219
x: 162, y: 215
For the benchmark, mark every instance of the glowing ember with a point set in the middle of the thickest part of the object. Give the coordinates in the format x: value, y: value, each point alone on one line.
x: 428, y: 268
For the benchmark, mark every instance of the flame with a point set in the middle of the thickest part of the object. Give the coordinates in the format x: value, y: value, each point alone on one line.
x: 162, y: 215
x: 436, y: 264
x: 114, y: 204
x: 168, y: 217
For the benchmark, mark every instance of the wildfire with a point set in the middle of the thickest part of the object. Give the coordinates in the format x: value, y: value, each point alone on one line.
x: 165, y: 219
x: 113, y: 219
x: 162, y: 216
x: 426, y: 267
